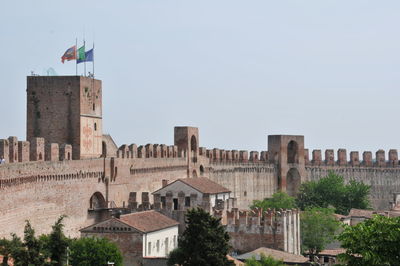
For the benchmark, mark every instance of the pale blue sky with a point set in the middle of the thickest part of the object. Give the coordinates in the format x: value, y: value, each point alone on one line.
x: 238, y: 70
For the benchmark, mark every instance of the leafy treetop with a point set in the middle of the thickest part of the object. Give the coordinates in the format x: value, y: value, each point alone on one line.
x: 279, y: 200
x: 264, y: 261
x: 318, y: 228
x: 90, y: 251
x: 331, y: 191
x: 372, y: 242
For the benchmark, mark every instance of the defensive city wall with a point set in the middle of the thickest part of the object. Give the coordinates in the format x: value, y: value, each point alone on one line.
x: 67, y: 166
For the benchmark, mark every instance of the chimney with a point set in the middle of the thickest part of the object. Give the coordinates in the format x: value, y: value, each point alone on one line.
x: 164, y: 182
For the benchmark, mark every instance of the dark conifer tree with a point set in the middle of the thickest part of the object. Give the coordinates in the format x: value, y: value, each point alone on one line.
x: 204, y: 242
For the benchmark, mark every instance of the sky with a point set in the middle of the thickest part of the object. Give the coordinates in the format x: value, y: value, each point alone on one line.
x: 238, y: 70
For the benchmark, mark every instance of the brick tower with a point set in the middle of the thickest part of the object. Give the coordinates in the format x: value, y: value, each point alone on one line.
x: 287, y: 152
x: 66, y: 109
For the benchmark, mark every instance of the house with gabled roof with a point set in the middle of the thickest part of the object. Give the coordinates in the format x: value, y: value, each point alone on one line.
x: 140, y: 235
x: 196, y: 192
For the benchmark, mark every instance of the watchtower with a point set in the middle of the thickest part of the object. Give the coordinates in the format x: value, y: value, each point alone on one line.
x: 187, y: 141
x: 287, y: 152
x: 66, y: 109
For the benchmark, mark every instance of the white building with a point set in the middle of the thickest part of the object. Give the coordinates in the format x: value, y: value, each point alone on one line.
x: 138, y: 235
x: 193, y: 186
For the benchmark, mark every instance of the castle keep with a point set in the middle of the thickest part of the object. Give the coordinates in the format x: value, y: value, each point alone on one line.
x: 68, y: 166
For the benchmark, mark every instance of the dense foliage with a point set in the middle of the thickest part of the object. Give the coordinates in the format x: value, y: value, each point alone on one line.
x: 264, y: 261
x: 52, y: 249
x: 7, y: 247
x: 373, y: 242
x: 318, y: 228
x: 279, y: 200
x: 94, y: 251
x: 331, y: 191
x: 56, y: 243
x: 30, y: 251
x: 204, y: 241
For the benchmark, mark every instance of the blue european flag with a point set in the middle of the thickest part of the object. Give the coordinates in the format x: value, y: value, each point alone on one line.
x: 88, y: 57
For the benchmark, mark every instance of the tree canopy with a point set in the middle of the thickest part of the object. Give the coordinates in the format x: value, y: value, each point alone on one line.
x: 51, y: 249
x: 372, y: 242
x: 204, y: 242
x: 279, y: 200
x: 331, y: 191
x: 56, y: 243
x: 318, y: 228
x: 90, y: 251
x: 264, y: 261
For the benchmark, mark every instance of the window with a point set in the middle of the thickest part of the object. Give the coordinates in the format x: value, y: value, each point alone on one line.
x: 95, y: 126
x: 149, y: 248
x: 175, y: 204
x: 187, y: 201
x: 158, y: 246
x: 174, y: 243
x: 166, y: 245
x: 163, y: 202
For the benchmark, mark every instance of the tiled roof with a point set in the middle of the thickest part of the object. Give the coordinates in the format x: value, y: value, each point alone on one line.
x: 332, y: 252
x: 204, y: 185
x: 235, y: 261
x: 361, y: 213
x: 276, y: 254
x: 148, y: 221
x: 339, y: 216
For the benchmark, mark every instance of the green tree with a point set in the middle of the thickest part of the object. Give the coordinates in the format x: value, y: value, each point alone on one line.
x: 318, y: 228
x: 279, y: 200
x: 264, y: 261
x: 204, y: 241
x: 372, y: 242
x: 90, y: 251
x: 56, y: 243
x: 31, y: 251
x: 331, y: 191
x: 7, y: 247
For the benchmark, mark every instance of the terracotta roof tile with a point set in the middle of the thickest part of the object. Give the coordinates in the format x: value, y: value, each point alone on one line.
x: 148, y: 221
x: 332, y: 252
x: 361, y: 213
x: 276, y: 254
x: 205, y: 185
x: 235, y: 261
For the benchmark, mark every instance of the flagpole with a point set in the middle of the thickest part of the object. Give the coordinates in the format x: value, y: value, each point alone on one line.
x: 84, y: 62
x: 93, y: 59
x: 76, y: 59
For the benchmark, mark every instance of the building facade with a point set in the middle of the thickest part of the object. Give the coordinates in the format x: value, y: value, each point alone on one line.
x: 140, y: 235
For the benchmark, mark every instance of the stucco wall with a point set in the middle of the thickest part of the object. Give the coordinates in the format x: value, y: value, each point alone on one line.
x: 167, y: 240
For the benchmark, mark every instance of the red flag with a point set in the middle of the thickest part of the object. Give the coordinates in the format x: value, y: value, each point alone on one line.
x: 69, y: 55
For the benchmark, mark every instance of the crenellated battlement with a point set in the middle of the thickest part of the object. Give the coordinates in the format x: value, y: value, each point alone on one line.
x: 249, y: 229
x: 14, y: 151
x: 233, y: 156
x: 149, y: 151
x: 341, y: 158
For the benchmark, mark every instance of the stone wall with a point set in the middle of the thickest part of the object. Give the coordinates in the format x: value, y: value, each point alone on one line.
x: 247, y: 181
x: 249, y: 230
x: 383, y: 181
x: 43, y: 191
